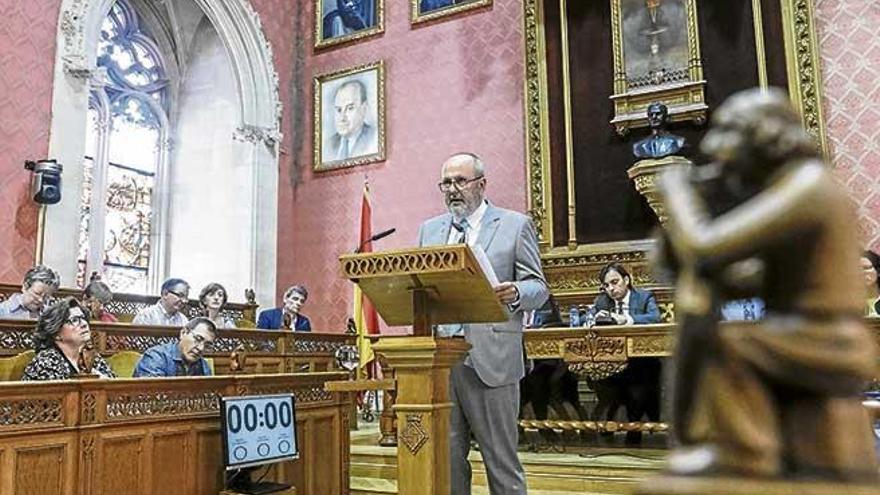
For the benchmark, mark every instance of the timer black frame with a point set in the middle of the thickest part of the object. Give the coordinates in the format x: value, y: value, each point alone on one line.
x: 225, y: 408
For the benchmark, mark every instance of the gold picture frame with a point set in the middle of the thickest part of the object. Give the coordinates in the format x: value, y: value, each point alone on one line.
x: 372, y: 15
x: 349, y: 117
x: 442, y: 8
x: 656, y: 59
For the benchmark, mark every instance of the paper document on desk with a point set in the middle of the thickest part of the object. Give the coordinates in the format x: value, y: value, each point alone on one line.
x: 485, y: 265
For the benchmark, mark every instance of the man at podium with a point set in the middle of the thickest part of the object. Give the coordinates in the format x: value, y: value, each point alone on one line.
x: 484, y: 389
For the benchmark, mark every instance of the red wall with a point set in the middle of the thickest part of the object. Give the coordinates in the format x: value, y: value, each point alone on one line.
x: 850, y: 49
x: 451, y: 85
x: 27, y: 53
x: 455, y: 85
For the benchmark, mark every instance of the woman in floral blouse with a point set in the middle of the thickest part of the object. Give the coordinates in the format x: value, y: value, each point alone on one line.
x: 61, y: 334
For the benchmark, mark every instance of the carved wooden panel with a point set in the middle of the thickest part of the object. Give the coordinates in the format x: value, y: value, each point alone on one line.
x: 41, y: 469
x: 122, y: 463
x: 37, y: 411
x: 127, y: 406
x: 209, y: 469
x: 167, y: 475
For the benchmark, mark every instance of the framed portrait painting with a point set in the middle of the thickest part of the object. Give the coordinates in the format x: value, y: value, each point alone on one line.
x: 427, y: 10
x: 341, y: 21
x: 656, y: 59
x: 350, y: 117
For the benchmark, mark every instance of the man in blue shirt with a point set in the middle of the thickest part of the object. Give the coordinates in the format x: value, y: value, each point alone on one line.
x: 184, y: 357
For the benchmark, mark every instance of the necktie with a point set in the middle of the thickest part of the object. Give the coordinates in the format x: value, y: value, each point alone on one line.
x: 465, y: 227
x: 620, y: 307
x: 343, y: 153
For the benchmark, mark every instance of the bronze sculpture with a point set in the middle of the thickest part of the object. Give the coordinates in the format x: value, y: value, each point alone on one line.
x: 780, y: 397
x: 660, y: 143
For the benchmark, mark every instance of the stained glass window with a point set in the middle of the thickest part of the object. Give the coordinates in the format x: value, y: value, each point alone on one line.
x: 123, y: 151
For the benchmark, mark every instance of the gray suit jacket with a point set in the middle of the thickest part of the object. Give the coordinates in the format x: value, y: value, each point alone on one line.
x: 510, y: 242
x: 367, y: 143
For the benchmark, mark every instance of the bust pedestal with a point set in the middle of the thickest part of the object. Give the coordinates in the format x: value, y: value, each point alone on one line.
x: 644, y: 175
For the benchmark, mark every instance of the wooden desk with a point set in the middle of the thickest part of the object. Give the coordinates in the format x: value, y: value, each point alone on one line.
x: 602, y: 351
x: 268, y: 351
x: 152, y: 436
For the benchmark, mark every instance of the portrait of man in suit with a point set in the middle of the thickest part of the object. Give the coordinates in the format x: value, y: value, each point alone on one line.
x: 438, y: 8
x: 341, y: 18
x: 484, y: 388
x: 351, y: 114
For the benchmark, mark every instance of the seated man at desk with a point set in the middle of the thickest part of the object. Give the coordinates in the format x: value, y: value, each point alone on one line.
x: 288, y: 315
x: 40, y: 282
x: 184, y: 357
x: 167, y: 310
x: 638, y: 386
x: 620, y: 302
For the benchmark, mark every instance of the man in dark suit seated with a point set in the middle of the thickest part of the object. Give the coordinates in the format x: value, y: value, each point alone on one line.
x: 638, y: 386
x: 287, y: 316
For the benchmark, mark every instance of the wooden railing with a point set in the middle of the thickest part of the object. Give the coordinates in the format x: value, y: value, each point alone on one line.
x: 125, y: 306
x: 145, y: 436
x: 267, y: 351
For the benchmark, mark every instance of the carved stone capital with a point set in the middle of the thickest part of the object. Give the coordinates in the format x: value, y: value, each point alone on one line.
x: 256, y: 134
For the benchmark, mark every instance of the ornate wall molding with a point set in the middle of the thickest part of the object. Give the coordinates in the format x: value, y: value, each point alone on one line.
x: 270, y: 137
x: 537, y: 142
x: 802, y: 62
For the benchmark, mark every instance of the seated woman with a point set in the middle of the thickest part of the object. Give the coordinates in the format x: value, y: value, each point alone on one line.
x: 61, y: 334
x: 212, y: 299
x: 287, y: 316
x: 871, y: 268
x: 95, y: 296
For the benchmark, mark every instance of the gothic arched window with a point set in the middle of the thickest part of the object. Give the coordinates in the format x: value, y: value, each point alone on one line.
x: 127, y: 132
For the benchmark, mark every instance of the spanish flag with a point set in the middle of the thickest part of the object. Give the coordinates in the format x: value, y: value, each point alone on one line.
x: 366, y: 319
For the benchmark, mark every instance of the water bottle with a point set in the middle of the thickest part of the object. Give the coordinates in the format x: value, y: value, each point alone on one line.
x: 573, y: 317
x: 589, y: 319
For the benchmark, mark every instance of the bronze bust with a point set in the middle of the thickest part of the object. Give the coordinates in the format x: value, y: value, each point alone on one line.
x: 780, y: 397
x: 660, y: 143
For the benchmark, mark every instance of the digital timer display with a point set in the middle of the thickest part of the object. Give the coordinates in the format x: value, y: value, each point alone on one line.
x: 258, y: 429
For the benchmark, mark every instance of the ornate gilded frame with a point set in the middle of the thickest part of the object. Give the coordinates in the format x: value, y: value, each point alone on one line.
x: 318, y: 31
x: 684, y: 98
x: 572, y: 269
x: 418, y: 17
x: 317, y: 150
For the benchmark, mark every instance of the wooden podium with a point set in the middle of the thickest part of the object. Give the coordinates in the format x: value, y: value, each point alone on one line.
x: 424, y: 287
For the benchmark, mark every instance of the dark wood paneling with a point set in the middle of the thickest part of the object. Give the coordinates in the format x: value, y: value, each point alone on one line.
x: 608, y: 207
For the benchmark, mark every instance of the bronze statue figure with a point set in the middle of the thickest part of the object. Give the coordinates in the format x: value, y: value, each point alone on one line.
x: 777, y: 397
x: 660, y: 143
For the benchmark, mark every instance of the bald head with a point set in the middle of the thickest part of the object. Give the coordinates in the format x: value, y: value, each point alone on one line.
x: 462, y: 177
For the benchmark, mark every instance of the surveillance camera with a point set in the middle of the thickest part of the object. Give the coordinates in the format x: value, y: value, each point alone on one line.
x: 45, y: 181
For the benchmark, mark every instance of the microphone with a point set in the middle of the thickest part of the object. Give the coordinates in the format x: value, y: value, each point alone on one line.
x: 380, y: 235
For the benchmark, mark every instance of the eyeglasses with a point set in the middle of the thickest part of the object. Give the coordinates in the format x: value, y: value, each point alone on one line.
x: 458, y: 183
x: 178, y: 294
x: 77, y: 320
x: 203, y: 343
